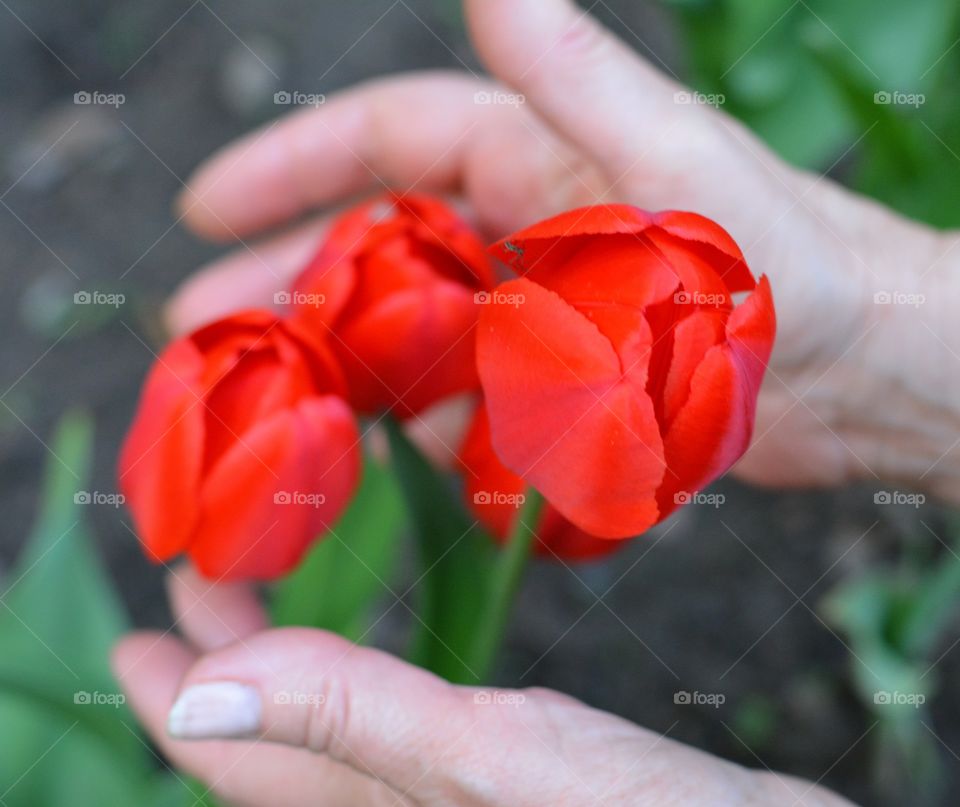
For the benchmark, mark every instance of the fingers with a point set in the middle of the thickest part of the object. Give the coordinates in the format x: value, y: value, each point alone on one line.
x: 246, y: 278
x: 212, y: 615
x: 579, y: 76
x: 309, y: 689
x: 397, y: 132
x: 150, y: 667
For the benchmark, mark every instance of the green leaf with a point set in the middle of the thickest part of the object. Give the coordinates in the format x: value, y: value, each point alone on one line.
x: 351, y: 567
x: 503, y: 584
x: 175, y: 790
x: 934, y: 601
x: 457, y: 559
x: 896, y: 44
x: 58, y: 580
x: 66, y: 734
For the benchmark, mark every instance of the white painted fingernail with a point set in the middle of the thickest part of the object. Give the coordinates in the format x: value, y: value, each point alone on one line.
x: 222, y: 709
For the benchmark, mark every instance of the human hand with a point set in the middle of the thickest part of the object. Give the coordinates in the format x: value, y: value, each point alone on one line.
x: 291, y: 717
x: 855, y: 390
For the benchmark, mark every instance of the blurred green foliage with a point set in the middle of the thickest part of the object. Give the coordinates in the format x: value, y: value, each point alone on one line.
x: 895, y: 619
x: 864, y: 88
x: 335, y: 587
x: 66, y: 733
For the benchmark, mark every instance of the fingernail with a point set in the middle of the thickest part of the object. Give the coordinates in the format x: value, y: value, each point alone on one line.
x: 222, y: 709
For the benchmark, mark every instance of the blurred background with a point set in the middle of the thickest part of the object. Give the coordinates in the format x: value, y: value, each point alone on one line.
x: 812, y: 633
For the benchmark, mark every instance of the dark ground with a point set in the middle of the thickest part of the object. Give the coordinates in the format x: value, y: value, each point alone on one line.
x: 688, y: 616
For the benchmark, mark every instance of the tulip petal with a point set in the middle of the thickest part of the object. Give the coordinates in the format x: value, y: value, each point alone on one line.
x: 322, y: 290
x: 487, y: 482
x: 693, y: 336
x: 560, y: 539
x: 256, y: 369
x: 562, y: 415
x: 416, y: 345
x: 713, y: 428
x: 159, y: 465
x: 492, y: 493
x: 701, y: 278
x: 624, y: 270
x: 602, y: 219
x: 246, y: 529
x: 558, y: 237
x: 456, y: 251
x: 751, y: 331
x: 693, y: 228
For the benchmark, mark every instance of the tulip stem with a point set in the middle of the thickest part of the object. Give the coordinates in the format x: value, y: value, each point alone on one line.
x: 504, y: 584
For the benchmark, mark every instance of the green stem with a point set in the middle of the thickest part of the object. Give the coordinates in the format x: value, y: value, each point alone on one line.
x: 506, y: 577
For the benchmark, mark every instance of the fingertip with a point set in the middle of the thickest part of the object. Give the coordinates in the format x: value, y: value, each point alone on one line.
x: 246, y: 278
x: 127, y: 649
x: 149, y: 665
x: 213, y: 615
x: 246, y: 186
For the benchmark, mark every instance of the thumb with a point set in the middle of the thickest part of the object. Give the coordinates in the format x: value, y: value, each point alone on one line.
x: 310, y: 689
x: 578, y: 75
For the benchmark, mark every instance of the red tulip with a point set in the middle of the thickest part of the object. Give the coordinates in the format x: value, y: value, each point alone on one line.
x: 618, y: 374
x: 396, y: 281
x: 495, y: 495
x: 243, y: 449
